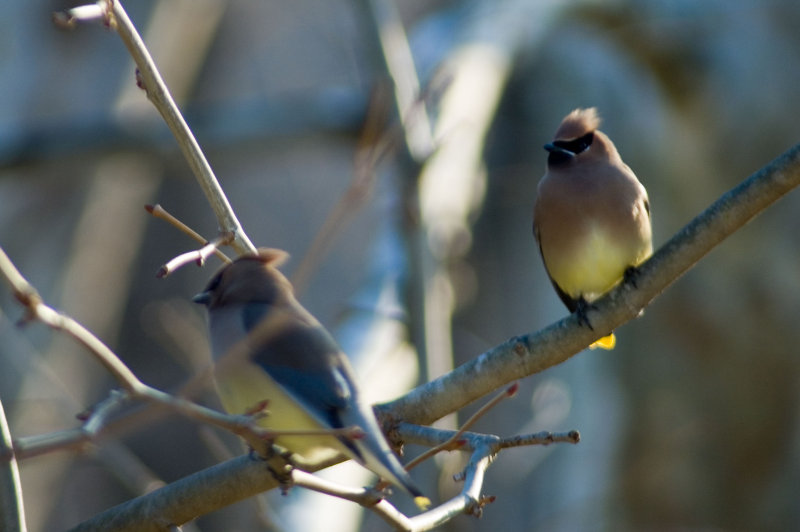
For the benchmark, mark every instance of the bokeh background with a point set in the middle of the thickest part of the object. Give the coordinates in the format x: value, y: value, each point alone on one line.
x: 691, y: 423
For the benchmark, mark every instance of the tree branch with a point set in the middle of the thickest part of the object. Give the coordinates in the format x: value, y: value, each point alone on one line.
x: 532, y: 353
x: 12, y: 516
x: 159, y: 95
x: 517, y: 357
x: 185, y: 499
x: 242, y: 477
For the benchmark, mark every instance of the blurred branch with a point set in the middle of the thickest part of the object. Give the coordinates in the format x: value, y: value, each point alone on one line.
x: 389, y: 35
x: 484, y: 447
x: 29, y: 298
x: 400, y: 65
x: 158, y: 93
x: 279, y: 468
x: 12, y: 513
x: 160, y: 212
x: 93, y: 423
x: 242, y: 477
x: 532, y: 353
x: 374, y: 144
x: 450, y: 184
x: 187, y: 495
x: 133, y: 388
x: 454, y: 441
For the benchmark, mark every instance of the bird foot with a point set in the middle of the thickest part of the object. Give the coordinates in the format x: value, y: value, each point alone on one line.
x: 279, y: 464
x: 606, y: 342
x: 630, y: 276
x: 581, y: 310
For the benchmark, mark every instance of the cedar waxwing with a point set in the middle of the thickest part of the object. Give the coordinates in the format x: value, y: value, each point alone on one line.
x: 271, y: 352
x: 591, y: 216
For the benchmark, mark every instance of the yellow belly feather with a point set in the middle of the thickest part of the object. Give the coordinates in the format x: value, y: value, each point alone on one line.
x: 596, y: 264
x: 245, y: 387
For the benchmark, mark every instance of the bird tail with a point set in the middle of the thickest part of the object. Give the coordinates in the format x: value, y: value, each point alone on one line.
x: 606, y: 342
x: 374, y: 453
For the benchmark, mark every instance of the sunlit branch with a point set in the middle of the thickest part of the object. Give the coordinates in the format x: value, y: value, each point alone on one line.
x: 147, y: 75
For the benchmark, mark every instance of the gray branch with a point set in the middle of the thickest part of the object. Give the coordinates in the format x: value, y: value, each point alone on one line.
x: 534, y: 352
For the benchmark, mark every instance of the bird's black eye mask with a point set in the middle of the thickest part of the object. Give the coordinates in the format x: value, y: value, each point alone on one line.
x: 578, y: 145
x: 204, y: 297
x: 563, y: 151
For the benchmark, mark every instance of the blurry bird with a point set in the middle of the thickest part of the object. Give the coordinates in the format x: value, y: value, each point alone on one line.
x: 591, y: 216
x: 271, y: 352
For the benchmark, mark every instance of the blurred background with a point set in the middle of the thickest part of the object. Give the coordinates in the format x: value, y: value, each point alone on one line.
x: 691, y: 423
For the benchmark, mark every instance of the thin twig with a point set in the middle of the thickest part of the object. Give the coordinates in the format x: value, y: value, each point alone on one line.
x: 161, y: 213
x: 369, y: 152
x: 198, y: 256
x: 432, y: 437
x: 159, y: 95
x: 87, y: 14
x: 12, y: 516
x: 362, y: 496
x: 376, y: 143
x: 76, y: 438
x: 468, y: 501
x: 540, y: 438
x: 453, y: 441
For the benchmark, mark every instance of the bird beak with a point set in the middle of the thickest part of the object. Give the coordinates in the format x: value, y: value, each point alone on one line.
x: 563, y: 151
x: 203, y: 298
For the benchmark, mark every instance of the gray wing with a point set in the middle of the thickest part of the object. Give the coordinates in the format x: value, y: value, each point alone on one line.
x: 303, y: 358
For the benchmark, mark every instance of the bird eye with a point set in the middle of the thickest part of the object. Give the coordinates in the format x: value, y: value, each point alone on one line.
x: 584, y: 142
x: 213, y: 284
x: 576, y: 145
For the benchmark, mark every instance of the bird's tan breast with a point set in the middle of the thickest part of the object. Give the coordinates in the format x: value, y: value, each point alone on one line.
x: 591, y: 228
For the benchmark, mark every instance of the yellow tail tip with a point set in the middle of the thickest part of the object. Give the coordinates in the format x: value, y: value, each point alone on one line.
x: 606, y: 342
x: 422, y: 502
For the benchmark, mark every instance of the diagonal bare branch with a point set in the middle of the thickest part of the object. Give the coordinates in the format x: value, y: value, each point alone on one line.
x: 159, y: 95
x: 534, y: 352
